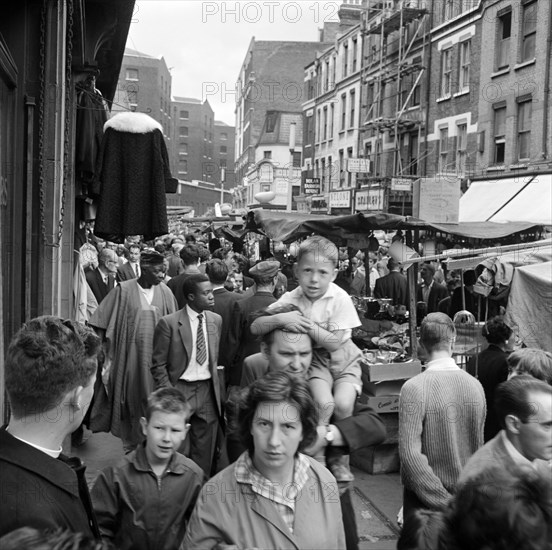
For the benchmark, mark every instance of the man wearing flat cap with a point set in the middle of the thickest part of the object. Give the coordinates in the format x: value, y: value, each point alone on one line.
x: 265, y: 275
x: 126, y: 321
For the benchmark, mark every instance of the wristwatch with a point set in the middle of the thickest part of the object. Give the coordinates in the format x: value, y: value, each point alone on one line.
x: 329, y: 435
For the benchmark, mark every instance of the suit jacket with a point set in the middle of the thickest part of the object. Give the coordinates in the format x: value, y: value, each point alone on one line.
x: 126, y: 273
x: 392, y: 286
x: 492, y: 369
x: 246, y: 343
x: 100, y: 290
x: 42, y: 492
x: 437, y: 293
x: 172, y: 349
x: 495, y: 455
x: 224, y: 306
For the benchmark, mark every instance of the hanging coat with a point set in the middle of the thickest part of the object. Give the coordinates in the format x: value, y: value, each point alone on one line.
x: 133, y: 176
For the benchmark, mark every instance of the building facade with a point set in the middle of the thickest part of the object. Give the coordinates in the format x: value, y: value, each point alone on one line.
x: 145, y: 85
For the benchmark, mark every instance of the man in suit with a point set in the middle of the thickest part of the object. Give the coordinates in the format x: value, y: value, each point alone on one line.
x: 392, y: 285
x: 189, y: 254
x: 265, y: 275
x: 524, y: 408
x: 217, y: 271
x: 185, y: 356
x: 131, y: 270
x: 102, y: 279
x: 430, y: 291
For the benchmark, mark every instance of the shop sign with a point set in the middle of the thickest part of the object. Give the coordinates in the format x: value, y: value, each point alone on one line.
x: 401, y: 184
x: 312, y: 186
x: 369, y: 199
x: 438, y: 199
x: 303, y: 207
x: 340, y: 199
x: 358, y: 165
x: 319, y: 204
x: 281, y: 187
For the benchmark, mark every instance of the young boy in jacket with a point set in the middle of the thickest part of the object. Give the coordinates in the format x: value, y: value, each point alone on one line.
x: 146, y: 500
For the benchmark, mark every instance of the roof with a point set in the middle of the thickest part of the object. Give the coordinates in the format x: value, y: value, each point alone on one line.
x: 136, y: 53
x: 180, y: 99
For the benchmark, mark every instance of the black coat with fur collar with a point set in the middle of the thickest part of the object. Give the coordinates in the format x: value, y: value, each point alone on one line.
x: 133, y: 176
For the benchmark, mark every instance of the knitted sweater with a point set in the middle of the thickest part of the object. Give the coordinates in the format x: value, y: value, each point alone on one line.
x: 441, y: 418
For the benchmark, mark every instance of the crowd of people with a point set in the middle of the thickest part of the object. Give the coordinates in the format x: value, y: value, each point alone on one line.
x: 234, y: 390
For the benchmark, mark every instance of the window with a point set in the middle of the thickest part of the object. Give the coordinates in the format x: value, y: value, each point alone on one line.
x: 524, y: 111
x: 183, y: 131
x: 296, y: 159
x: 341, y: 168
x: 446, y: 72
x: 331, y: 122
x: 349, y: 174
x: 270, y: 122
x: 355, y: 55
x: 183, y: 149
x: 464, y: 72
x: 132, y: 97
x: 223, y: 136
x: 330, y: 172
x: 323, y: 179
x: 267, y: 154
x: 461, y: 146
x: 343, y: 110
x: 503, y: 40
x: 223, y: 163
x: 443, y: 149
x: 448, y: 10
x: 499, y: 135
x: 318, y: 122
x: 345, y: 60
x: 132, y: 74
x: 334, y: 65
x: 529, y: 31
x: 223, y: 149
x: 327, y: 75
x: 184, y: 115
x: 182, y: 165
x: 352, y: 106
x: 407, y: 82
x: 325, y: 123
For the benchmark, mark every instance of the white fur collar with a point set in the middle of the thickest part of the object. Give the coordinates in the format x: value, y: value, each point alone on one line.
x: 136, y: 123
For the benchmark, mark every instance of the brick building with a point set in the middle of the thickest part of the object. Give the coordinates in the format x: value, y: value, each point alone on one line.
x: 270, y: 79
x: 145, y: 86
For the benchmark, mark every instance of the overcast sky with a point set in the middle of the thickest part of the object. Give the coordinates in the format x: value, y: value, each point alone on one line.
x: 204, y: 42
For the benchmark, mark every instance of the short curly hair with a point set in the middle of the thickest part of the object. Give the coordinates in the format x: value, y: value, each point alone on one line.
x: 496, y: 331
x: 47, y: 358
x: 276, y: 387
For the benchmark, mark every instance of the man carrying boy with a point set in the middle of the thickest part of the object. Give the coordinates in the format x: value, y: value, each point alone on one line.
x: 146, y: 500
x: 328, y: 315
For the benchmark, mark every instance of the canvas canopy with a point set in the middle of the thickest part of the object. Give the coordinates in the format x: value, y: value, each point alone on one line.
x: 355, y: 228
x: 529, y: 310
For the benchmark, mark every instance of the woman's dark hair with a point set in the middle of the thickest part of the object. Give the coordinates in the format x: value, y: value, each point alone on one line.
x: 276, y: 387
x: 496, y: 331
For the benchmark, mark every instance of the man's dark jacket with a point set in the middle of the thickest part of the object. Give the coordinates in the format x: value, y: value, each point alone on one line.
x: 42, y: 492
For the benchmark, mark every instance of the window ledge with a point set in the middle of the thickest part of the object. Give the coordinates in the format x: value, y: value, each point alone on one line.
x: 444, y: 98
x: 498, y: 168
x: 500, y: 72
x: 519, y: 66
x: 461, y: 93
x: 341, y: 132
x: 519, y: 166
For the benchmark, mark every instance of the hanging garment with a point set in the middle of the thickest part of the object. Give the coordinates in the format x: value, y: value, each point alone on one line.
x: 132, y: 177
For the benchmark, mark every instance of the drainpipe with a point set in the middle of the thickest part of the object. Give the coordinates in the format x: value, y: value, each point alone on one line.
x: 547, y: 83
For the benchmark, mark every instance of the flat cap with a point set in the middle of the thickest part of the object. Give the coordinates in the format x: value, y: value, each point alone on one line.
x: 267, y: 268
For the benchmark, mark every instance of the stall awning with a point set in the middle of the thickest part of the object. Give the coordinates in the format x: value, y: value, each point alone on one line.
x: 484, y: 199
x: 517, y: 199
x: 533, y: 203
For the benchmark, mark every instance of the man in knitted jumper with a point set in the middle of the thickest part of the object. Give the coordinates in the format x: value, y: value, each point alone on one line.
x: 441, y: 417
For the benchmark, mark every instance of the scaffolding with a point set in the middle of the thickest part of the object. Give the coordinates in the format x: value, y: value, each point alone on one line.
x: 382, y: 19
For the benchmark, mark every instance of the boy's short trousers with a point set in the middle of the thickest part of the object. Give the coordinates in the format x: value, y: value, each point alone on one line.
x: 337, y: 367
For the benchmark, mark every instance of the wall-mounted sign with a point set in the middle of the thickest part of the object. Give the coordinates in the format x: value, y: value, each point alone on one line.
x: 401, y: 184
x: 369, y: 199
x: 319, y: 204
x: 340, y: 199
x: 312, y: 186
x: 358, y: 165
x: 437, y: 199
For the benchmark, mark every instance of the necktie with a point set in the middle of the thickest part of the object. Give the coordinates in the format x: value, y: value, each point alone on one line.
x: 137, y: 271
x: 201, y: 349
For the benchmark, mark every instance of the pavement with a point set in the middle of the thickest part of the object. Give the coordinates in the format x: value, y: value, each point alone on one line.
x: 376, y: 498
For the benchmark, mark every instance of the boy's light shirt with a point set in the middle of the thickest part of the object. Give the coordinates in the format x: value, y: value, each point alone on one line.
x: 334, y: 311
